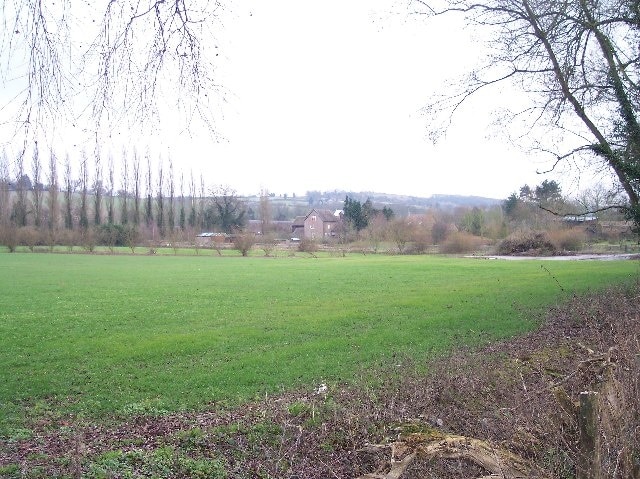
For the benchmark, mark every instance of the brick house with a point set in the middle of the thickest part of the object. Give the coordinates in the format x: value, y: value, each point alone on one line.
x: 317, y: 224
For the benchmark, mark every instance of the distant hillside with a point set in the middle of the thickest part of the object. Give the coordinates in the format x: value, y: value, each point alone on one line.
x: 287, y: 207
x: 457, y: 200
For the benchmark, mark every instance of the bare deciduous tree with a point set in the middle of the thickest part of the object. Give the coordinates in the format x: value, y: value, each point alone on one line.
x: 37, y: 187
x: 110, y: 191
x: 401, y: 232
x: 5, y: 179
x: 377, y: 231
x: 597, y: 197
x: 84, y: 192
x: 20, y: 210
x: 160, y: 200
x: 97, y: 190
x: 193, y: 213
x: 124, y: 192
x: 183, y: 217
x: 578, y: 63
x: 171, y: 213
x: 53, y: 196
x: 148, y: 207
x: 126, y: 58
x: 201, y: 205
x: 69, y: 190
x: 137, y: 178
x: 266, y: 214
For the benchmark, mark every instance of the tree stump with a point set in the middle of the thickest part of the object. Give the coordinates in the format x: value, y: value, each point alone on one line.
x: 589, y: 464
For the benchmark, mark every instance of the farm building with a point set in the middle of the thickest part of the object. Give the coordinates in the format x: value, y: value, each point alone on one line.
x: 317, y: 224
x: 208, y: 239
x: 578, y: 219
x: 279, y: 228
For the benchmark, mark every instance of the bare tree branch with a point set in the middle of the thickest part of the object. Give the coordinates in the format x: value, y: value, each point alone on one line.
x: 579, y: 64
x: 128, y: 63
x: 590, y: 212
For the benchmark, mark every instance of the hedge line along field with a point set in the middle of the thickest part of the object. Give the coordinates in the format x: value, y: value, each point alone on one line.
x: 115, y: 335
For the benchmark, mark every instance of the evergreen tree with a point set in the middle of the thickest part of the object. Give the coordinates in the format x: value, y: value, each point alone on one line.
x: 510, y: 204
x: 548, y: 191
x: 356, y: 214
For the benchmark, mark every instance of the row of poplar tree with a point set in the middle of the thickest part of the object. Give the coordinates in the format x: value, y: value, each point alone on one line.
x: 46, y: 194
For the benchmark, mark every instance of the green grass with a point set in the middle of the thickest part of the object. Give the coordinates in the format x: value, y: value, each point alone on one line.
x: 97, y: 335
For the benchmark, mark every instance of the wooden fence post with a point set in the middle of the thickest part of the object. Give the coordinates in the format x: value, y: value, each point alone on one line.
x: 589, y: 464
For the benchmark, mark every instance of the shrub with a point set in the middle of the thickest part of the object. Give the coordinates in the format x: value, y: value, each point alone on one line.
x: 420, y: 244
x: 461, y: 242
x: 30, y: 237
x: 132, y: 238
x: 568, y: 240
x: 52, y: 237
x: 307, y: 245
x: 268, y: 244
x: 69, y: 238
x: 9, y: 237
x: 439, y: 232
x: 88, y: 239
x: 115, y: 235
x: 243, y: 242
x: 532, y: 242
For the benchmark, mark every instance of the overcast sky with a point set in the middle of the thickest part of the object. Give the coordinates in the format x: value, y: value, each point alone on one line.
x: 328, y: 95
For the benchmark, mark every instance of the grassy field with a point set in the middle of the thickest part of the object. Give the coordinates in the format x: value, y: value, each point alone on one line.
x: 100, y: 335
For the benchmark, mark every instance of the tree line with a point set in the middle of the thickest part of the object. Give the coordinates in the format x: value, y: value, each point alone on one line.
x: 47, y: 201
x: 577, y: 64
x: 541, y: 211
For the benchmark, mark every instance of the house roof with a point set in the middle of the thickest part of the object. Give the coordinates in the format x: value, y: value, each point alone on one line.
x: 325, y: 215
x: 210, y: 235
x: 580, y: 218
x: 298, y: 221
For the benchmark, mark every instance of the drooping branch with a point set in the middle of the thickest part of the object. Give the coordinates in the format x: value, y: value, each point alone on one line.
x: 590, y: 212
x: 141, y: 59
x: 562, y: 157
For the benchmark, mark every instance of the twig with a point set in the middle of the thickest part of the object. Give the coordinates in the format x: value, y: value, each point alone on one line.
x: 590, y: 212
x: 553, y: 277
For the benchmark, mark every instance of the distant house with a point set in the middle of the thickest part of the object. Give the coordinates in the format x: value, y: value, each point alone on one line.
x: 297, y: 228
x: 317, y: 224
x: 586, y: 218
x: 209, y: 239
x: 278, y: 228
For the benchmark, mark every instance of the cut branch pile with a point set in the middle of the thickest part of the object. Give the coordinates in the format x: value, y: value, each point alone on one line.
x: 498, y: 462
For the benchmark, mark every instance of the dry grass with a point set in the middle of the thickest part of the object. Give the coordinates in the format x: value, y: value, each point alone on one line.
x: 568, y: 239
x: 461, y: 242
